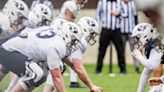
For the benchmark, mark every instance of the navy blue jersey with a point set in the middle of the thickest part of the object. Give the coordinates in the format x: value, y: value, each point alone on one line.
x: 149, y: 47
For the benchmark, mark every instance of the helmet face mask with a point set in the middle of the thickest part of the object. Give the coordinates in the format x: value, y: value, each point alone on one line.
x: 81, y: 3
x: 75, y: 34
x: 142, y: 34
x: 44, y: 22
x: 91, y: 38
x: 89, y: 28
x: 17, y: 11
x: 69, y: 31
x: 136, y: 44
x: 72, y: 45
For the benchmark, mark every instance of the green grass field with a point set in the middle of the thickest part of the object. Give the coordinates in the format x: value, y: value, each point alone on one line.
x: 119, y: 83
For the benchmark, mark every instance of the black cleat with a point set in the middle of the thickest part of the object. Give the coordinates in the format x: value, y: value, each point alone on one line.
x: 137, y: 70
x: 75, y: 85
x: 124, y: 72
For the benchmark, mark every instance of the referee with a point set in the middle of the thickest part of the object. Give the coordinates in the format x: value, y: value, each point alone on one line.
x: 108, y: 12
x: 129, y: 18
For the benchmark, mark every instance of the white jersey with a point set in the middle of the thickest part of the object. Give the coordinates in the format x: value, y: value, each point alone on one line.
x: 42, y: 44
x: 32, y: 22
x: 150, y: 64
x: 82, y: 46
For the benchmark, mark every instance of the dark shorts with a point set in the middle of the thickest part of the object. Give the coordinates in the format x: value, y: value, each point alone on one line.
x: 4, y: 70
x: 13, y: 61
x: 4, y: 39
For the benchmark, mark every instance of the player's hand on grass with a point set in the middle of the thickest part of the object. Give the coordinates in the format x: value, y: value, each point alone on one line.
x: 155, y: 81
x: 95, y: 88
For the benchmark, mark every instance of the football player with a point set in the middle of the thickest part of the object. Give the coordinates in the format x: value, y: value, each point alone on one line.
x: 153, y: 9
x: 40, y: 15
x: 69, y: 11
x: 12, y: 15
x: 147, y: 49
x: 89, y: 29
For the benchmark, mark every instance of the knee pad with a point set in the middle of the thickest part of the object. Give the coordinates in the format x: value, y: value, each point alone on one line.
x: 34, y: 76
x: 62, y: 67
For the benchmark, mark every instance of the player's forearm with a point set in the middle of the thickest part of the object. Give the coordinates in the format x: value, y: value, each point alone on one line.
x: 143, y: 79
x: 12, y: 83
x: 80, y: 70
x: 58, y: 80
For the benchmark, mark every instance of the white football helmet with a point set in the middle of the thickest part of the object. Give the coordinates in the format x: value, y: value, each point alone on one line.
x: 71, y: 6
x: 72, y: 35
x: 76, y: 34
x: 143, y: 33
x: 61, y: 26
x: 16, y: 10
x: 58, y: 23
x: 40, y: 15
x: 81, y: 3
x: 89, y: 28
x: 65, y: 33
x: 75, y: 31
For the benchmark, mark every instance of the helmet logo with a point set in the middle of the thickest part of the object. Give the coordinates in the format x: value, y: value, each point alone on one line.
x: 91, y: 23
x: 19, y: 6
x: 74, y: 29
x: 44, y: 10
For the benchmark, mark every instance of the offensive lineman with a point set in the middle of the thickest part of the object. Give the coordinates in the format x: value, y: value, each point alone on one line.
x: 13, y: 13
x: 89, y: 29
x: 38, y: 44
x: 69, y: 12
x: 40, y: 15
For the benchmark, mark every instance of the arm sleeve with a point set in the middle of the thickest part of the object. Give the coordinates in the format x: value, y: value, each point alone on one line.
x: 153, y: 61
x: 118, y: 7
x: 99, y: 10
x: 143, y: 79
x: 124, y: 9
x: 53, y: 59
x: 135, y: 12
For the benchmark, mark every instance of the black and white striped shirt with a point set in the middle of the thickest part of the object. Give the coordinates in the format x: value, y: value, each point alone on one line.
x: 104, y: 13
x: 128, y: 16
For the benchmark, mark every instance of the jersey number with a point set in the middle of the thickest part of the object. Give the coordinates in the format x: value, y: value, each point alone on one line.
x: 46, y: 34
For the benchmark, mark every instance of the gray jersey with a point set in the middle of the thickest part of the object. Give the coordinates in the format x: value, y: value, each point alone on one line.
x: 82, y: 46
x: 41, y: 44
